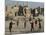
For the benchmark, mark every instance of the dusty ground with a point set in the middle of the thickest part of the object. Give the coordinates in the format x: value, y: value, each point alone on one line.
x: 21, y: 29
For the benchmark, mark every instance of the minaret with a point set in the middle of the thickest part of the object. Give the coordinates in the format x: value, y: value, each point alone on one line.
x: 26, y: 4
x: 17, y: 3
x: 26, y: 9
x: 17, y: 8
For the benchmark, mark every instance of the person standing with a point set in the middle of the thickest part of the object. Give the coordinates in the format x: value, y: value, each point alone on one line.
x: 10, y: 26
x: 17, y: 22
x: 39, y: 23
x: 25, y: 24
x: 32, y: 24
x: 35, y: 22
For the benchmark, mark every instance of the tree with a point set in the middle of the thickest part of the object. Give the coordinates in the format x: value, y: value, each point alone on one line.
x: 20, y: 13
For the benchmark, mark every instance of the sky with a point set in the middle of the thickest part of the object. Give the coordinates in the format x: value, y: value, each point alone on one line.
x: 30, y: 4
